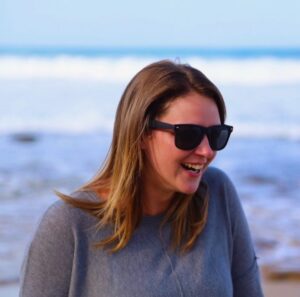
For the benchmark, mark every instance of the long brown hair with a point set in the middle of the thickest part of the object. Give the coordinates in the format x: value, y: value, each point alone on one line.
x: 146, y: 96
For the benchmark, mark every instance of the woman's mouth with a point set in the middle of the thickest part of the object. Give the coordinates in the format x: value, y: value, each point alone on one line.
x: 195, y: 168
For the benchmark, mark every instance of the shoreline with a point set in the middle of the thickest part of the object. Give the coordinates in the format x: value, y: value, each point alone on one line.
x: 280, y: 288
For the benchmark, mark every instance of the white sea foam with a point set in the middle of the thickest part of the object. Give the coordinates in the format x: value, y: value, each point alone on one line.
x: 251, y: 71
x: 66, y: 67
x: 77, y: 95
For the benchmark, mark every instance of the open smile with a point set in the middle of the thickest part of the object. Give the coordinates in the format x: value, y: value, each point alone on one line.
x: 195, y: 168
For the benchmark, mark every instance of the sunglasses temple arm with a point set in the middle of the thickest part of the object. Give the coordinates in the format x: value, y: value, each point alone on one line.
x: 161, y: 125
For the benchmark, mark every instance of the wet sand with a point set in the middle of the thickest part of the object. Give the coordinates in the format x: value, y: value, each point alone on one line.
x: 280, y: 284
x: 282, y: 288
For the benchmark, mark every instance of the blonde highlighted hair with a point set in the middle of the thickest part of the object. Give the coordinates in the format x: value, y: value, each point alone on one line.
x: 146, y: 96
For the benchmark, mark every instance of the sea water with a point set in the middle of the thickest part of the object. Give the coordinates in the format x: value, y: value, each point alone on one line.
x: 56, y: 116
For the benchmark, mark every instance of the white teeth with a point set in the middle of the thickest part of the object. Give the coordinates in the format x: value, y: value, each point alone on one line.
x: 195, y: 167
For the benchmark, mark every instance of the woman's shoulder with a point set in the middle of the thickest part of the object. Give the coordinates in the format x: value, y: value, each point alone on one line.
x: 220, y: 186
x: 61, y: 206
x: 216, y: 176
x: 63, y: 216
x: 223, y: 193
x: 62, y: 229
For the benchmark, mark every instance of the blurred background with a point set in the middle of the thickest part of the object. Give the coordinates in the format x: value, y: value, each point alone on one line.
x: 64, y: 65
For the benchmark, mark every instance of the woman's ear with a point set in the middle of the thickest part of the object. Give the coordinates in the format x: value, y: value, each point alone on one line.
x: 147, y: 135
x: 145, y: 140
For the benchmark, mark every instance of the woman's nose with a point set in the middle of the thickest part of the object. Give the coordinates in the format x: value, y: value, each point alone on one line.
x: 204, y: 149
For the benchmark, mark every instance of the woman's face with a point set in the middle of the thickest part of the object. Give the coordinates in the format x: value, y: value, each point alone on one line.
x: 169, y: 169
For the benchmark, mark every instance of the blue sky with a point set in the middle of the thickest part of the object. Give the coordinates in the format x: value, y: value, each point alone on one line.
x: 154, y: 23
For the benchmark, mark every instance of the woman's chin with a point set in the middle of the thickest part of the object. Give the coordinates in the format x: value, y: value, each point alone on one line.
x: 190, y: 188
x: 189, y: 191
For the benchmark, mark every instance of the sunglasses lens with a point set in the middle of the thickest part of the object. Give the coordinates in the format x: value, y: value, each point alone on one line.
x: 188, y: 137
x: 218, y: 137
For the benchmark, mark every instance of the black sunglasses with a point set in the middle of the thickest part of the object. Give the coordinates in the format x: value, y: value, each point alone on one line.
x: 189, y: 136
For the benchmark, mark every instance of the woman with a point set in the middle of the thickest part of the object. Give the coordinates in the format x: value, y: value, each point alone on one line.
x: 155, y: 221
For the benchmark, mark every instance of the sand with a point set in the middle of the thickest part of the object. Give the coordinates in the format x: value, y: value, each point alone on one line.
x: 281, y: 288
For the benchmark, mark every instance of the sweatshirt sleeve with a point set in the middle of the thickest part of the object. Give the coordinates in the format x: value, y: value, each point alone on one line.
x: 244, y: 268
x: 47, y: 267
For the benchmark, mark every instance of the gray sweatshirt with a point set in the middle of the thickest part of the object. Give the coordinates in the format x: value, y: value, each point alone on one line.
x: 62, y: 261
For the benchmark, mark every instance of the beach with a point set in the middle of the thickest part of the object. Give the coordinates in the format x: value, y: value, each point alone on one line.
x: 281, y: 288
x: 55, y: 129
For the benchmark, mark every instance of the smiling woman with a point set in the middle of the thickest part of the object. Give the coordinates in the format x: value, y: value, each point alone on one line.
x: 156, y: 220
x: 169, y: 169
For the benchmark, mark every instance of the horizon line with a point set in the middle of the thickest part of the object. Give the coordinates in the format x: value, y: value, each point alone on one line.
x: 243, y: 52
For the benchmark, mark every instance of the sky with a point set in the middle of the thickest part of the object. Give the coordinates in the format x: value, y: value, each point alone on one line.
x: 154, y: 23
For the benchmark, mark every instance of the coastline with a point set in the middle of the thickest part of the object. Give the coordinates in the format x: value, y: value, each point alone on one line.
x: 279, y: 286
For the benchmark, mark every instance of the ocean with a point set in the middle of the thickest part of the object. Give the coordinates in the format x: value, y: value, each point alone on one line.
x: 57, y: 111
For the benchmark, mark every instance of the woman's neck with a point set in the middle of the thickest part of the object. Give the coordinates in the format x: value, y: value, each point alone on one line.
x: 154, y: 201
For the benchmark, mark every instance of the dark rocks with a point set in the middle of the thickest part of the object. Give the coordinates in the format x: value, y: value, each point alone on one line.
x: 25, y: 137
